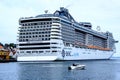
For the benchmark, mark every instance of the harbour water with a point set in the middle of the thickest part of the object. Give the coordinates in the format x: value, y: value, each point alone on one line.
x: 58, y: 70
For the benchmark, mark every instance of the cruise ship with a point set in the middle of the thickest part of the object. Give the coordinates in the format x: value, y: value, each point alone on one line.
x: 57, y: 36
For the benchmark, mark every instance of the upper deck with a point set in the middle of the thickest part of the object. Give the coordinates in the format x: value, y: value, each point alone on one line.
x: 63, y: 16
x: 63, y: 26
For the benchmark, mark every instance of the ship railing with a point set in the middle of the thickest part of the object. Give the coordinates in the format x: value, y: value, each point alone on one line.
x: 81, y: 45
x: 98, y: 47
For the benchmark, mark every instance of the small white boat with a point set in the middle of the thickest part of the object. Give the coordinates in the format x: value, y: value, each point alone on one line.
x: 76, y: 66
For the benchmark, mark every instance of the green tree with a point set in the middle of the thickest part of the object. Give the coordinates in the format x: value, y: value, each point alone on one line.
x: 12, y: 45
x: 1, y: 44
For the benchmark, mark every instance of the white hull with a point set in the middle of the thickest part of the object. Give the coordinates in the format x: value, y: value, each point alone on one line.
x: 85, y: 54
x: 36, y: 58
x: 70, y: 54
x: 88, y: 56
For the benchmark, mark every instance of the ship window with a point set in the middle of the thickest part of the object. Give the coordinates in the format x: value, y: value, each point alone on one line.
x: 22, y: 27
x: 41, y: 23
x: 46, y: 28
x: 23, y: 40
x: 21, y: 51
x: 35, y: 23
x: 29, y: 48
x: 20, y: 40
x: 56, y: 31
x: 55, y: 38
x: 33, y: 51
x: 47, y: 51
x: 54, y: 43
x: 23, y: 33
x: 54, y: 51
x: 40, y: 51
x: 22, y: 24
x: 53, y: 47
x: 34, y: 44
x: 23, y: 36
x: 28, y: 51
x: 55, y: 35
x: 36, y: 32
x: 45, y: 38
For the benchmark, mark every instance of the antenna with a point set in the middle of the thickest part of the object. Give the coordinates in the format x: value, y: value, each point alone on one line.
x: 63, y: 4
x: 46, y: 11
x: 69, y: 5
x: 98, y: 28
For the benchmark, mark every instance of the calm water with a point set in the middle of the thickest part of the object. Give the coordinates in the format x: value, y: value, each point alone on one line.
x: 95, y: 70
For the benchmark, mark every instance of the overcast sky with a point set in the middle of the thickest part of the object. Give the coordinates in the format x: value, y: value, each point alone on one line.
x: 103, y: 13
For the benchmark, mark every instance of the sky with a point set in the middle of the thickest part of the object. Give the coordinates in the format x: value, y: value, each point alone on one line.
x: 103, y: 13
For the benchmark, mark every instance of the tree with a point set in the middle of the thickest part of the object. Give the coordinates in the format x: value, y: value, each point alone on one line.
x: 12, y: 45
x: 1, y: 44
x: 6, y: 46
